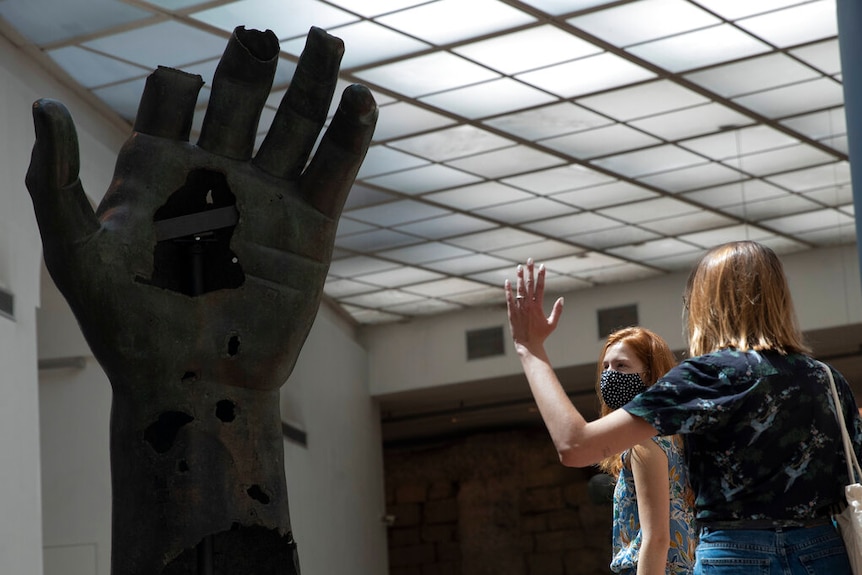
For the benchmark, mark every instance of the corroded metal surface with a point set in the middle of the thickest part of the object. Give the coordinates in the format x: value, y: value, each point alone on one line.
x: 195, y: 283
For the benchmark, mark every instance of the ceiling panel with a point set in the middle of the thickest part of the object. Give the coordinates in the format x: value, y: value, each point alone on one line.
x: 611, y: 140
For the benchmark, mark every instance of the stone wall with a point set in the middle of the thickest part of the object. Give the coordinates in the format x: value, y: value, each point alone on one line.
x: 495, y: 503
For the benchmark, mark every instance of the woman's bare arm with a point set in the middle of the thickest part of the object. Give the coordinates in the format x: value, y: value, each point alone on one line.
x: 578, y: 442
x: 649, y: 466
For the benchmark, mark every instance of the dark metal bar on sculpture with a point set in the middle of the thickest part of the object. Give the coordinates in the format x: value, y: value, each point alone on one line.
x: 195, y: 283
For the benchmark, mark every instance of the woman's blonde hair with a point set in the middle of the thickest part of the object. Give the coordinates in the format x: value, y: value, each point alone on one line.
x: 737, y: 297
x: 657, y: 359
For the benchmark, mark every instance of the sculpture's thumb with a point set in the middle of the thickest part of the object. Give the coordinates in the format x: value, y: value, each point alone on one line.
x: 62, y: 210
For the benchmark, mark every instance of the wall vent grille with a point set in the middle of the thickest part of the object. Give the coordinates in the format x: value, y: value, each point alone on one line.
x: 614, y: 318
x: 487, y: 342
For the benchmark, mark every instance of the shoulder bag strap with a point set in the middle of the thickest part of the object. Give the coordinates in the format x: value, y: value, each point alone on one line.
x: 849, y: 452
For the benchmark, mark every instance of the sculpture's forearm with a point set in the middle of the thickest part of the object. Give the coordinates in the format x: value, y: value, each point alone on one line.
x: 191, y: 465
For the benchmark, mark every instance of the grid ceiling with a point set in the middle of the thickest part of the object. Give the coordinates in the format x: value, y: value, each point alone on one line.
x: 612, y: 141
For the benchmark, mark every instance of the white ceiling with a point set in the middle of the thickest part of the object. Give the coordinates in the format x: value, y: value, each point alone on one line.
x: 611, y: 141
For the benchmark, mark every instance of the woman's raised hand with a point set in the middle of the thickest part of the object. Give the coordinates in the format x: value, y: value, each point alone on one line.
x: 527, y: 321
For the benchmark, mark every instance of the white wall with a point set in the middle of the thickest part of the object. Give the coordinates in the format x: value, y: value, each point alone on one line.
x: 430, y: 352
x: 21, y: 82
x: 335, y: 484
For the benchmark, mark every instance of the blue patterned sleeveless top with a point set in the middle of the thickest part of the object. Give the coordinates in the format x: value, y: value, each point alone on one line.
x: 627, y: 533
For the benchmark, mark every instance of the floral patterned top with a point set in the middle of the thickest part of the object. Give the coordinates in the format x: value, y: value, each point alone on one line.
x: 627, y: 531
x: 761, y: 438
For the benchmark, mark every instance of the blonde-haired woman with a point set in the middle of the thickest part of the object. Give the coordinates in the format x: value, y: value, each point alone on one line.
x: 762, y: 440
x: 653, y: 529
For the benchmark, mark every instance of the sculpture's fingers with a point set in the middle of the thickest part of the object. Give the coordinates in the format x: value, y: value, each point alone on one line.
x: 167, y: 105
x: 62, y: 210
x: 303, y: 109
x: 329, y: 177
x: 240, y: 87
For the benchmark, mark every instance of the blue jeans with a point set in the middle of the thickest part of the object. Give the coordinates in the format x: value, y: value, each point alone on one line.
x: 783, y: 551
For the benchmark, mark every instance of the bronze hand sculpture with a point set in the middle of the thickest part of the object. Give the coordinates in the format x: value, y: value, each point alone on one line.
x: 195, y: 283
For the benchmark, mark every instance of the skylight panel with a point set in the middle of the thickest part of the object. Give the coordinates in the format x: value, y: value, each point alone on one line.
x: 820, y: 125
x: 836, y: 196
x: 782, y: 205
x: 704, y: 119
x: 445, y: 288
x: 558, y: 7
x: 735, y: 9
x: 829, y: 175
x: 754, y: 75
x: 650, y: 161
x: 697, y: 221
x: 736, y: 193
x: 424, y: 253
x: 692, y: 177
x: 709, y: 238
x: 495, y: 240
x: 637, y: 22
x: 123, y: 98
x: 587, y: 75
x: 348, y: 226
x: 526, y: 211
x: 798, y: 223
x: 607, y: 194
x: 624, y: 272
x: 424, y: 179
x: 795, y: 99
x: 541, y: 250
x: 91, y: 69
x: 547, y: 182
x: 446, y: 226
x: 427, y: 306
x: 600, y: 141
x: 397, y: 212
x: 447, y: 21
x: 372, y: 8
x: 507, y: 162
x: 644, y: 211
x: 69, y: 18
x: 781, y: 160
x: 612, y: 237
x: 700, y: 48
x: 478, y: 196
x: 732, y: 143
x: 285, y: 19
x: 337, y: 288
x: 382, y: 160
x: 824, y: 56
x: 451, y: 143
x: 548, y: 45
x: 375, y: 240
x: 573, y: 223
x: 467, y: 265
x: 489, y: 98
x: 795, y: 25
x: 402, y: 119
x: 580, y: 263
x: 361, y: 196
x: 365, y: 43
x: 427, y: 74
x: 661, y: 248
x: 164, y: 44
x: 549, y: 121
x: 353, y: 266
x: 643, y: 100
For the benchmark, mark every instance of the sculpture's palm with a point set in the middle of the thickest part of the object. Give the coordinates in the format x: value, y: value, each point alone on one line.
x: 259, y: 280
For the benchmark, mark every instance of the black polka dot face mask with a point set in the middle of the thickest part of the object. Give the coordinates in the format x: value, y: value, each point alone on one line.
x: 618, y: 388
